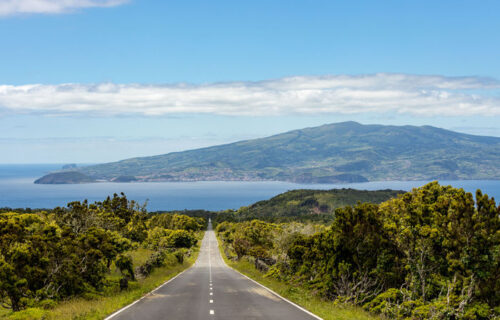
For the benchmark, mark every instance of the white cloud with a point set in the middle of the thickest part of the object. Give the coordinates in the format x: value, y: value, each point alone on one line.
x: 13, y: 7
x: 343, y: 94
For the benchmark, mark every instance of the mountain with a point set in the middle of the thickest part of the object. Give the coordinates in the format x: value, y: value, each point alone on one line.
x: 339, y: 152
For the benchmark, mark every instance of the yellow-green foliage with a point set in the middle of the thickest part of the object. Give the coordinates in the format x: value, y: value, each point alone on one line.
x: 304, y: 205
x: 432, y: 253
x: 73, y: 252
x: 175, y: 222
x: 103, y: 305
x: 300, y: 295
x: 160, y: 238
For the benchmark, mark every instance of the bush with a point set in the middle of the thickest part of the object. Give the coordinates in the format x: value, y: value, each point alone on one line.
x: 49, y: 256
x: 47, y: 304
x: 125, y: 265
x: 432, y: 253
x: 123, y: 283
x: 157, y: 259
x: 179, y: 256
x: 178, y: 239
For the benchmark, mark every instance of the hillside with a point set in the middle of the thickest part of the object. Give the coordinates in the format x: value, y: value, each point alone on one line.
x: 65, y: 177
x: 339, y: 152
x: 310, y: 204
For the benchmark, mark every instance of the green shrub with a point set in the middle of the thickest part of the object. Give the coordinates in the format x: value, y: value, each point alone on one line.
x: 432, y: 253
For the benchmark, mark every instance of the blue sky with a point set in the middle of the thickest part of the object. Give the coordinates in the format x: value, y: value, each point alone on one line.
x: 103, y: 80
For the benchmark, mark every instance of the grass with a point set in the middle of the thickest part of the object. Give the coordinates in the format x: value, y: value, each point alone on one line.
x: 101, y: 306
x: 303, y: 297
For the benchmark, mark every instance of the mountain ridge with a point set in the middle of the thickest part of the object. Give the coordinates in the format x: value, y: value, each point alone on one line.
x: 336, y: 152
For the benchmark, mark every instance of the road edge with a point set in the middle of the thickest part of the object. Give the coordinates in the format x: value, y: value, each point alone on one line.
x: 263, y: 286
x: 146, y: 295
x: 152, y: 291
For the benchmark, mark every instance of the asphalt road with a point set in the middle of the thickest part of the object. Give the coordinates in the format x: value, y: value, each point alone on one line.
x: 211, y: 290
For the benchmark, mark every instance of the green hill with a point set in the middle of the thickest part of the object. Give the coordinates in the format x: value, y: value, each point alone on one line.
x: 339, y: 152
x: 311, y: 203
x: 65, y: 177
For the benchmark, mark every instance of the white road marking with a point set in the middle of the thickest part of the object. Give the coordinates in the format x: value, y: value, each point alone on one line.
x: 212, y: 312
x: 290, y: 302
x: 210, y: 260
x: 145, y: 296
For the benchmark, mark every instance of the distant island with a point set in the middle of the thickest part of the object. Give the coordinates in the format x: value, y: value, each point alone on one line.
x: 65, y: 177
x: 69, y: 166
x: 334, y: 153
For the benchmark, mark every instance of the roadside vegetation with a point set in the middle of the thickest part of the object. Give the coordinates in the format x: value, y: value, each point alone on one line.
x: 87, y: 260
x: 296, y: 293
x: 433, y: 253
x: 305, y: 205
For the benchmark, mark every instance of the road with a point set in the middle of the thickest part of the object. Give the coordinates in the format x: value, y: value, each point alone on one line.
x: 211, y: 290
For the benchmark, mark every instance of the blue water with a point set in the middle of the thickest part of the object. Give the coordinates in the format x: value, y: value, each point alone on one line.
x: 17, y: 190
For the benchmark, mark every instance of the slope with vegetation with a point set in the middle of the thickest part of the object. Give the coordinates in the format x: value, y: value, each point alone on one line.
x: 339, y: 152
x: 305, y: 205
x: 432, y: 253
x: 62, y: 263
x: 65, y: 177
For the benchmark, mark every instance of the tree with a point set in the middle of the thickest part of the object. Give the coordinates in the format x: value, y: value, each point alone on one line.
x: 12, y: 287
x: 178, y: 239
x: 125, y: 265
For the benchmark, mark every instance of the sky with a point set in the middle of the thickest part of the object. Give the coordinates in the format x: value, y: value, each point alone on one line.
x: 89, y: 81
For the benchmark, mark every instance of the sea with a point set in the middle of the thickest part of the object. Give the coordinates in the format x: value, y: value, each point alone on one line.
x: 17, y: 190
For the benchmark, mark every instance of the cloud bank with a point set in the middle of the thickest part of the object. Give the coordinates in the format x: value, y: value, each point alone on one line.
x: 342, y: 94
x: 13, y: 7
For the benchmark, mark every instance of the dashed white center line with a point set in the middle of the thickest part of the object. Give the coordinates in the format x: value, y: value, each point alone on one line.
x: 209, y: 260
x: 210, y: 274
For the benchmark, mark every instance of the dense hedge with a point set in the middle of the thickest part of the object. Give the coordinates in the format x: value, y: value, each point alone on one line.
x: 55, y: 254
x: 433, y: 253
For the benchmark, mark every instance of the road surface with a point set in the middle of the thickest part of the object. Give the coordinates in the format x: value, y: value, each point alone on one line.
x: 211, y: 290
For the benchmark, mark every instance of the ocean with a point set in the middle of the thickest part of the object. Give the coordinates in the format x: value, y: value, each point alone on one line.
x: 17, y: 190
